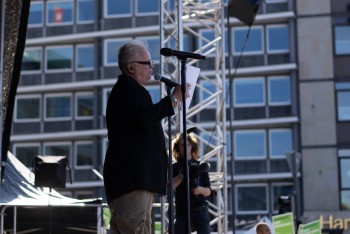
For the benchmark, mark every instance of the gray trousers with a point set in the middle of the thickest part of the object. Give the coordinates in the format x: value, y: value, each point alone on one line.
x: 131, y: 213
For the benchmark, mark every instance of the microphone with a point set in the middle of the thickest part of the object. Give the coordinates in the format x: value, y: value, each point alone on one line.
x: 166, y: 81
x: 180, y: 54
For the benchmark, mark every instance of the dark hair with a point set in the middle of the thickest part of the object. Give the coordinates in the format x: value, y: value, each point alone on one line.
x: 190, y: 139
x: 260, y: 225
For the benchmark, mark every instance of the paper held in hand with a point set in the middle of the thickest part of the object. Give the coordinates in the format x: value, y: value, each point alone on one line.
x: 192, y: 74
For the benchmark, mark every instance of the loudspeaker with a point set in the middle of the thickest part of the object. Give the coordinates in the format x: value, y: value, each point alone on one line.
x: 244, y: 10
x: 50, y: 171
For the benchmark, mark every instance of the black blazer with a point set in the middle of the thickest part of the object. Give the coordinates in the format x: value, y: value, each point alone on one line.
x: 136, y: 157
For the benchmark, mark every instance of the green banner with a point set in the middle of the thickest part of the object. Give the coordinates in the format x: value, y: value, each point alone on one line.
x: 313, y: 227
x: 283, y: 223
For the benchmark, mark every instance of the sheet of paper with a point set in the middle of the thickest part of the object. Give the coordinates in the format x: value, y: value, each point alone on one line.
x: 192, y: 74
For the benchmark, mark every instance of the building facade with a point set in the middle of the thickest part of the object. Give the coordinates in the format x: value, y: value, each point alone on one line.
x: 290, y: 92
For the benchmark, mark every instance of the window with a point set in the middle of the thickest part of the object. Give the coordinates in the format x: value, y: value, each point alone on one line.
x: 207, y: 36
x: 27, y: 108
x: 104, y: 149
x: 343, y: 98
x: 86, y: 11
x: 171, y: 43
x: 228, y: 145
x: 57, y: 107
x: 249, y: 92
x: 279, y: 91
x: 154, y: 47
x: 85, y: 57
x: 243, y: 142
x: 26, y: 153
x: 154, y: 91
x: 345, y: 173
x: 58, y: 149
x: 342, y: 40
x: 59, y: 58
x: 35, y: 14
x: 254, y: 44
x: 207, y: 142
x: 117, y: 8
x: 345, y: 200
x: 277, y: 38
x: 31, y: 61
x: 106, y: 92
x: 171, y: 4
x: 84, y: 105
x: 251, y: 199
x: 147, y: 6
x: 59, y: 12
x: 111, y: 47
x: 84, y: 154
x: 344, y: 170
x: 280, y: 142
x: 280, y: 190
x: 207, y: 89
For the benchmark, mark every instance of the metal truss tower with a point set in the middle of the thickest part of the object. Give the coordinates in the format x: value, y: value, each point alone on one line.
x: 199, y: 24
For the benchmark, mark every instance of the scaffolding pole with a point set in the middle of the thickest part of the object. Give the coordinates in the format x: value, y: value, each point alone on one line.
x: 199, y: 24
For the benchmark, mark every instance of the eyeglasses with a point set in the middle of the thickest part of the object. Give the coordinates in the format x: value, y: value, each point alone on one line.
x: 149, y: 63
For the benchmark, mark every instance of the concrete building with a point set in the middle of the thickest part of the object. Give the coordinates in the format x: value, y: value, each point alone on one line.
x: 291, y: 92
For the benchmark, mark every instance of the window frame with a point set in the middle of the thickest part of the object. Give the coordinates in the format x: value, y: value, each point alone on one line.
x: 250, y: 158
x: 203, y: 90
x: 339, y: 118
x: 201, y: 43
x: 50, y: 95
x: 272, y: 200
x: 28, y: 96
x: 78, y: 16
x: 154, y: 52
x: 269, y: 102
x: 76, y: 144
x: 109, y: 16
x: 336, y: 53
x: 59, y: 143
x: 257, y: 52
x: 50, y: 24
x: 155, y: 92
x: 256, y: 104
x: 26, y: 72
x: 137, y: 13
x: 42, y: 14
x: 60, y: 69
x: 343, y: 154
x: 76, y: 96
x: 104, y: 148
x: 87, y: 45
x: 241, y: 212
x: 273, y: 130
x: 205, y: 140
x: 105, y: 96
x: 23, y: 145
x: 105, y: 51
x: 268, y: 49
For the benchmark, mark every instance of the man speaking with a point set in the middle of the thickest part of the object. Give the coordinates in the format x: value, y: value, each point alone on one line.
x: 135, y: 166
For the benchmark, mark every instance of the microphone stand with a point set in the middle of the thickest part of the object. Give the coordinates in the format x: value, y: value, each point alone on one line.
x: 183, y: 60
x: 170, y: 175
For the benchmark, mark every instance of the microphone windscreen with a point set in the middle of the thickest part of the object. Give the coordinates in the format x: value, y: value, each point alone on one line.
x: 157, y: 76
x: 166, y: 52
